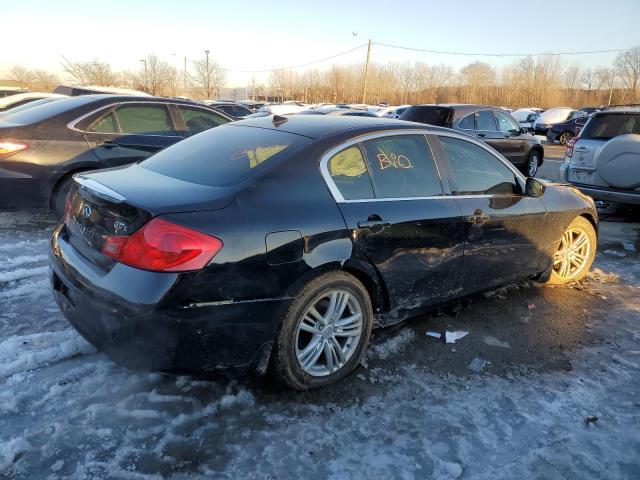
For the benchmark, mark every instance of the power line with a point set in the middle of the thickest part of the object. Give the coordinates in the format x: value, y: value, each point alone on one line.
x: 477, y: 54
x: 301, y: 64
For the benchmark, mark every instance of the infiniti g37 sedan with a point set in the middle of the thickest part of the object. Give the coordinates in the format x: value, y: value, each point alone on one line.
x: 281, y: 243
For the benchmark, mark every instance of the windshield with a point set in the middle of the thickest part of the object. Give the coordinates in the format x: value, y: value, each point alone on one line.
x: 224, y: 155
x: 604, y: 127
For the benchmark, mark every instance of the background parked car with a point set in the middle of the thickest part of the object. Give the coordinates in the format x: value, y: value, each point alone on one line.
x: 551, y: 116
x: 526, y: 118
x: 278, y: 109
x: 563, y: 132
x: 252, y: 105
x: 96, y: 90
x: 490, y: 124
x: 337, y: 111
x: 6, y: 91
x: 232, y: 109
x: 604, y: 160
x: 42, y: 147
x: 11, y: 101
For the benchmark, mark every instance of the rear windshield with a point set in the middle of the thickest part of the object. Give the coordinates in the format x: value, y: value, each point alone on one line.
x: 438, y: 116
x: 48, y: 110
x: 611, y: 125
x: 224, y: 155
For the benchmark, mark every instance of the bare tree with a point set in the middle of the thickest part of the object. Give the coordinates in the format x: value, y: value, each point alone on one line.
x: 571, y: 77
x: 627, y: 65
x: 208, y: 76
x: 476, y: 77
x: 154, y: 76
x: 90, y: 73
x: 44, y: 81
x: 22, y: 76
x: 589, y: 79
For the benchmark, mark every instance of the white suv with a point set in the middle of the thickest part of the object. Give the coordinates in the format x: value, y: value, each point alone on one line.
x: 604, y: 160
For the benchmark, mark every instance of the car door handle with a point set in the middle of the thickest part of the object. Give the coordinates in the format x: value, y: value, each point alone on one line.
x: 481, y: 135
x: 478, y: 218
x: 107, y: 144
x: 373, y: 224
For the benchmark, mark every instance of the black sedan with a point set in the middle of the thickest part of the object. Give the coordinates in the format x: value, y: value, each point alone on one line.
x: 42, y: 147
x: 282, y: 242
x: 563, y: 132
x: 489, y: 124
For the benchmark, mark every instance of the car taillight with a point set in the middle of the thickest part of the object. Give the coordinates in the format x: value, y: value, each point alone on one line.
x: 7, y: 148
x: 570, y: 146
x: 163, y: 246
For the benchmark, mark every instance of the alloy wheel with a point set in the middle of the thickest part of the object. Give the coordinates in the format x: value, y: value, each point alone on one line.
x: 532, y: 167
x: 564, y: 138
x: 573, y: 253
x: 328, y: 333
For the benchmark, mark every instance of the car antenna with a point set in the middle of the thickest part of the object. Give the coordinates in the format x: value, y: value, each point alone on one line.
x: 279, y: 120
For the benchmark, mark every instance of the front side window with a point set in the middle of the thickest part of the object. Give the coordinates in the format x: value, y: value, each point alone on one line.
x: 198, y: 120
x: 402, y: 167
x: 485, y: 121
x: 476, y: 171
x: 505, y: 124
x: 349, y: 173
x: 145, y: 119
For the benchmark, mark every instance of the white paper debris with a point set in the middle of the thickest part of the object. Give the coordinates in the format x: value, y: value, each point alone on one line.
x: 434, y: 334
x: 478, y: 364
x: 451, y: 337
x: 629, y: 246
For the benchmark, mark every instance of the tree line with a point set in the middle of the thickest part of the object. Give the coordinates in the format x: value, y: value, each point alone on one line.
x: 542, y: 81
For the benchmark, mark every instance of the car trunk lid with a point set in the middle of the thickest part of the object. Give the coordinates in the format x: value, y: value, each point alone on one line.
x: 115, y: 203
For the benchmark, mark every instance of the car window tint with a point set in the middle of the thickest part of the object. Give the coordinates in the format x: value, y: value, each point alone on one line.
x: 466, y: 123
x: 402, y: 167
x: 349, y: 173
x: 611, y: 125
x: 105, y: 125
x: 476, y: 171
x: 505, y: 124
x: 145, y: 120
x: 198, y: 120
x: 225, y: 155
x: 485, y: 121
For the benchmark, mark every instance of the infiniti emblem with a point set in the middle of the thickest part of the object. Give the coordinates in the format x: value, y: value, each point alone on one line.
x: 86, y: 211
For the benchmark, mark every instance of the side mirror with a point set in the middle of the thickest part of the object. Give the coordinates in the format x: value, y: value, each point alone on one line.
x: 534, y: 187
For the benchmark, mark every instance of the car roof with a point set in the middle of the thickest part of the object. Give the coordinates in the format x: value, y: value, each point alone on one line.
x: 618, y: 110
x: 316, y: 126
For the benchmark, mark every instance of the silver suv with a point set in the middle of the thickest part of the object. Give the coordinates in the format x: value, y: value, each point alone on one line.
x: 604, y: 160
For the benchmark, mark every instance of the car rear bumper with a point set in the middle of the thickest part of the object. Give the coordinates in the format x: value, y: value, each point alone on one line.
x: 124, y: 314
x: 609, y: 194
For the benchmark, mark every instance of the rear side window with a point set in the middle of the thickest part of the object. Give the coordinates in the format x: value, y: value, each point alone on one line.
x: 199, y: 120
x: 476, y: 171
x: 402, y: 167
x: 145, y: 119
x: 611, y: 125
x: 349, y: 172
x: 438, y: 116
x: 485, y: 121
x: 225, y: 155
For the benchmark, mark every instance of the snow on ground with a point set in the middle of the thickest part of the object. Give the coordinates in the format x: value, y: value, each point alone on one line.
x: 67, y: 412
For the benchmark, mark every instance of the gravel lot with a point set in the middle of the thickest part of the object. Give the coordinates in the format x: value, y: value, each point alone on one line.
x: 557, y: 394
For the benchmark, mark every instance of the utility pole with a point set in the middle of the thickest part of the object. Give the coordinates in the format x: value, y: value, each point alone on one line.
x: 185, y: 75
x: 207, y: 77
x: 366, y: 73
x: 613, y: 77
x: 146, y: 78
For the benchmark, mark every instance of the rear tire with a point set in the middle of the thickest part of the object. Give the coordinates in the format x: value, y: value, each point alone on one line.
x: 575, y: 253
x: 59, y: 196
x: 324, y: 333
x: 565, y: 138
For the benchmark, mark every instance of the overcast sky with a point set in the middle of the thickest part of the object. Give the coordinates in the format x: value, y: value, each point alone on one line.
x: 244, y: 35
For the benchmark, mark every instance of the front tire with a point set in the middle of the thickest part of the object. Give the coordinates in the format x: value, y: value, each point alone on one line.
x: 324, y: 333
x: 575, y: 253
x: 530, y: 167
